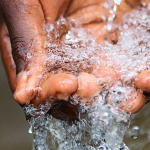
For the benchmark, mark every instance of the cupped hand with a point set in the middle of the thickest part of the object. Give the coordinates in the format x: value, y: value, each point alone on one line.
x: 22, y: 35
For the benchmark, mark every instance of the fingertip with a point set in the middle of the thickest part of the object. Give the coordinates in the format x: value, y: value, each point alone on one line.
x: 66, y: 84
x: 143, y: 80
x: 20, y: 97
x: 135, y: 103
x: 23, y: 96
x: 88, y: 85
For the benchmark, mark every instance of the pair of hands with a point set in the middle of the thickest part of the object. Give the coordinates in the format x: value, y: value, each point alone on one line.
x: 21, y: 31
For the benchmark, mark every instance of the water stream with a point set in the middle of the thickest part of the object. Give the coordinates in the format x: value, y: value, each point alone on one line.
x: 102, y: 126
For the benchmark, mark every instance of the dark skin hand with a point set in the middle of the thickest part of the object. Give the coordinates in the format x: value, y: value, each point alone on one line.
x: 21, y: 31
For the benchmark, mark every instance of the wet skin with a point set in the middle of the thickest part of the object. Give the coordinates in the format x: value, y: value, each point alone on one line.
x: 21, y: 32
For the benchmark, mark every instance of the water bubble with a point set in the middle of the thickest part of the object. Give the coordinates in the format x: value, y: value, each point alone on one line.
x: 102, y: 148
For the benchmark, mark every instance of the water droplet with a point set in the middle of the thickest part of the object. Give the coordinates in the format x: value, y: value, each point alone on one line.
x: 135, y: 132
x: 29, y: 72
x: 115, y: 8
x: 97, y: 143
x: 125, y: 26
x: 108, y: 27
x: 126, y: 33
x: 111, y: 18
x: 30, y: 130
x: 29, y: 55
x: 134, y: 22
x: 118, y: 2
x: 68, y: 37
x: 73, y: 101
x: 45, y: 76
x: 111, y: 11
x: 138, y: 28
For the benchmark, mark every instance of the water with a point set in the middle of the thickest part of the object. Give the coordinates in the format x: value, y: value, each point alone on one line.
x: 135, y: 132
x: 102, y: 130
x: 103, y: 125
x: 137, y: 136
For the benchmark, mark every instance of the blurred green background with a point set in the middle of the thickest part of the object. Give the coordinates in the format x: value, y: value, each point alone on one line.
x: 13, y: 126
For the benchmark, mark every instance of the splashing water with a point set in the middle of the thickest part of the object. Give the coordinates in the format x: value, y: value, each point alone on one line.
x: 103, y: 126
x: 111, y: 7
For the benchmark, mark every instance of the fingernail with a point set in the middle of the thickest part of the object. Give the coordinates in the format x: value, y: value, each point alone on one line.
x: 30, y: 91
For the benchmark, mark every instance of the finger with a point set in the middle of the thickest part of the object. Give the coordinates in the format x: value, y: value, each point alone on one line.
x: 81, y: 12
x: 143, y: 80
x: 88, y: 86
x: 58, y: 86
x: 53, y: 9
x: 135, y: 103
x: 106, y: 74
x: 6, y: 55
x: 131, y: 103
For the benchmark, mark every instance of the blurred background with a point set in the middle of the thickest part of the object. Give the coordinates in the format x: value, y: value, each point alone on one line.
x: 13, y: 126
